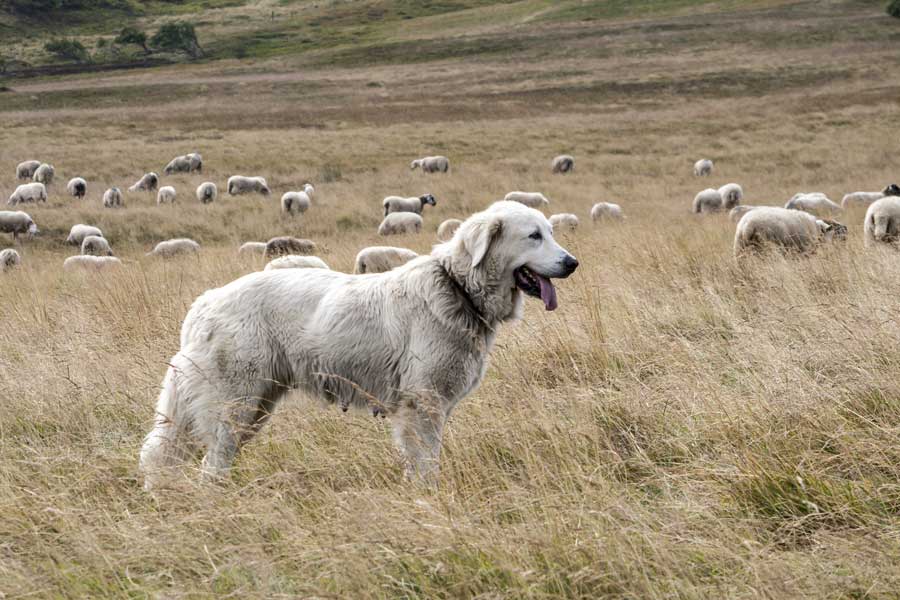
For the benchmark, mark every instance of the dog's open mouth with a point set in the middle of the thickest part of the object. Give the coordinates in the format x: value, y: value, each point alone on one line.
x: 536, y: 286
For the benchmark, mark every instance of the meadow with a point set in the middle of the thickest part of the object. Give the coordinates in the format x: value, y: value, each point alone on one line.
x: 683, y: 426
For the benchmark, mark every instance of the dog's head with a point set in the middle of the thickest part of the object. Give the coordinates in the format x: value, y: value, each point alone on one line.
x: 505, y: 251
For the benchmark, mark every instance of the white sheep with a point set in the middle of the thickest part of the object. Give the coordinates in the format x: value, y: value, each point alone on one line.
x: 77, y: 187
x: 88, y: 262
x: 9, y: 259
x: 431, y: 164
x: 112, y: 198
x: 532, y: 199
x: 563, y: 222
x: 397, y: 223
x: 26, y: 169
x: 239, y: 184
x: 785, y: 229
x: 378, y: 259
x: 447, y: 229
x: 309, y: 189
x: 732, y: 195
x: 739, y: 211
x: 295, y: 202
x: 703, y: 167
x: 16, y: 222
x: 606, y: 210
x: 292, y: 261
x: 815, y: 203
x: 207, y: 192
x: 95, y: 245
x: 709, y: 200
x: 252, y: 248
x: 284, y: 245
x: 867, y: 198
x: 175, y: 247
x: 187, y: 163
x: 148, y: 183
x: 564, y: 163
x: 166, y: 194
x: 81, y: 231
x: 882, y: 222
x: 28, y: 192
x: 396, y: 204
x: 44, y: 174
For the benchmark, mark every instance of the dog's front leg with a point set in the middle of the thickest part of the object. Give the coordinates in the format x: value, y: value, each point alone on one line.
x: 418, y: 432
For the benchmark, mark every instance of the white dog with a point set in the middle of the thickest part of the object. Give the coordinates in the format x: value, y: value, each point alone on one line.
x: 407, y: 344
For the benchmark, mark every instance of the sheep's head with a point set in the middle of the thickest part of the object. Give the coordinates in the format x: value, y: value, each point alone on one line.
x: 428, y: 199
x: 414, y: 165
x: 892, y: 190
x: 832, y: 230
x: 264, y: 190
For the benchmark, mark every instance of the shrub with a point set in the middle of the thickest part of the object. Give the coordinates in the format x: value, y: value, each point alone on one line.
x: 67, y: 50
x: 132, y: 35
x: 893, y: 8
x: 178, y: 36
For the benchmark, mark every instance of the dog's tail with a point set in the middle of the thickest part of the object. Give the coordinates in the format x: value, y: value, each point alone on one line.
x: 162, y: 448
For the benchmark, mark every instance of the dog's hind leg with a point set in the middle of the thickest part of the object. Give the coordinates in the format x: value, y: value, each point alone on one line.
x: 418, y: 431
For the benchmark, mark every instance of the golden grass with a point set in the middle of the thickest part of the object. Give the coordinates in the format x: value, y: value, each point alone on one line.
x: 682, y: 427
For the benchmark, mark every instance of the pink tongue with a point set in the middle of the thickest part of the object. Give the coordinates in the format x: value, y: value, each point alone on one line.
x: 548, y: 292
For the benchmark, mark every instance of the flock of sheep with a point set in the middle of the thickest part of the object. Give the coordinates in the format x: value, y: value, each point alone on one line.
x: 803, y: 223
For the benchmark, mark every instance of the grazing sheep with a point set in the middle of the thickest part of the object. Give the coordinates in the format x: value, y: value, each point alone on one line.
x: 16, y: 222
x: 295, y: 202
x: 882, y: 222
x: 703, y: 167
x: 166, y: 194
x: 396, y: 223
x: 207, y: 192
x: 95, y: 245
x: 238, y: 184
x: 112, y: 198
x: 88, y: 262
x: 867, y: 198
x: 81, y: 231
x: 431, y: 164
x: 147, y: 183
x: 77, y: 187
x: 284, y: 245
x: 378, y: 259
x: 709, y: 200
x: 252, y: 248
x: 397, y: 204
x: 732, y: 195
x: 185, y: 164
x: 564, y: 163
x: 564, y: 222
x: 785, y: 229
x: 447, y: 229
x: 815, y: 203
x: 739, y: 211
x: 9, y: 259
x: 28, y: 192
x: 171, y: 248
x: 606, y: 210
x: 44, y: 174
x: 26, y: 169
x: 532, y: 199
x: 292, y: 261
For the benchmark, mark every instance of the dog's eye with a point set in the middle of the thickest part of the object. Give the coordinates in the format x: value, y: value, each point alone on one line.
x: 536, y: 236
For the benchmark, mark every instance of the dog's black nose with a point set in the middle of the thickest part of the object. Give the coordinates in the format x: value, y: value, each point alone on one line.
x: 570, y: 263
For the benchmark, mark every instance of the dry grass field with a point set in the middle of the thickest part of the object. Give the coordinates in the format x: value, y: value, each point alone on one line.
x: 681, y: 427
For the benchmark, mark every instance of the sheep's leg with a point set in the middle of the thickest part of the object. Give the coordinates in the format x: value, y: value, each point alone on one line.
x: 418, y: 432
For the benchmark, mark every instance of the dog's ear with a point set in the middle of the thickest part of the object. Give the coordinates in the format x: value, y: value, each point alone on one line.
x: 479, y: 236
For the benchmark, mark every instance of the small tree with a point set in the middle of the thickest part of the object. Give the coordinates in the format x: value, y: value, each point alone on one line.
x: 893, y: 8
x: 132, y: 35
x: 177, y: 36
x: 67, y: 50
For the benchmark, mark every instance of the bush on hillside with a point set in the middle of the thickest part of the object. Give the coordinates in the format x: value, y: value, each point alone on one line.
x: 177, y: 36
x: 132, y: 35
x: 67, y: 50
x: 893, y: 8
